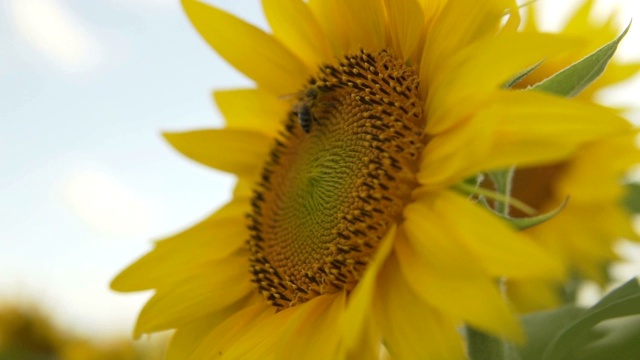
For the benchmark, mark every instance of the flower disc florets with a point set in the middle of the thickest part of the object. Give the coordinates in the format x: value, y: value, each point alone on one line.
x: 338, y: 176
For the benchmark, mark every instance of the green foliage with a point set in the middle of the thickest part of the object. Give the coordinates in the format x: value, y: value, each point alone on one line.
x: 608, y: 330
x: 573, y: 79
x: 542, y: 327
x: 485, y: 347
x: 632, y: 200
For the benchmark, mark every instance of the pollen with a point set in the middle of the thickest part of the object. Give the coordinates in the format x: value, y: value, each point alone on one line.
x: 338, y: 176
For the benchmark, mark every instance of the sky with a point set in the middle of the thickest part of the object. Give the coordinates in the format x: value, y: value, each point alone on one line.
x: 86, y: 180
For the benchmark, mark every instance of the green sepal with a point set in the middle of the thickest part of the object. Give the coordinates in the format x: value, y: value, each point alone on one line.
x: 502, y: 180
x: 502, y: 201
x: 525, y: 223
x: 521, y: 75
x: 611, y: 329
x: 572, y: 80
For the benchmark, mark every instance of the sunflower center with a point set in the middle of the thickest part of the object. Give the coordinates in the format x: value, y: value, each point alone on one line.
x: 338, y: 176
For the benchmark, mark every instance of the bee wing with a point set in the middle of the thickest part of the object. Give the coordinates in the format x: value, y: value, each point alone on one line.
x: 291, y: 96
x: 295, y: 98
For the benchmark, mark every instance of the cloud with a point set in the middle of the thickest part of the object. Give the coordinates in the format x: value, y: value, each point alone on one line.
x: 55, y: 31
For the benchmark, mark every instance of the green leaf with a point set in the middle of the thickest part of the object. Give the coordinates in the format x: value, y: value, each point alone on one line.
x: 623, y: 301
x: 572, y: 80
x: 613, y: 339
x: 632, y: 200
x: 610, y: 327
x: 541, y: 327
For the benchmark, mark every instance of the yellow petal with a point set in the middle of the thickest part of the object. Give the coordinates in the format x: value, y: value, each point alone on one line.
x: 580, y: 21
x: 533, y: 128
x: 475, y: 73
x: 431, y: 8
x: 448, y: 276
x: 214, y: 238
x: 311, y: 333
x: 187, y: 338
x: 333, y: 18
x: 451, y: 32
x: 368, y: 24
x: 407, y: 322
x: 206, y: 291
x: 406, y: 20
x: 516, y: 128
x: 594, y: 174
x: 514, y: 19
x: 368, y: 345
x: 533, y: 295
x: 615, y: 73
x: 249, y: 49
x: 352, y: 25
x: 216, y: 344
x: 295, y: 26
x: 360, y: 300
x: 608, y: 222
x: 241, y: 338
x: 252, y: 109
x: 501, y: 251
x: 241, y: 152
x: 531, y: 25
x: 245, y: 187
x: 449, y: 155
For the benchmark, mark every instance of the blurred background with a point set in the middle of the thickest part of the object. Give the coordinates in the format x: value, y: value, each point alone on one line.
x: 86, y: 181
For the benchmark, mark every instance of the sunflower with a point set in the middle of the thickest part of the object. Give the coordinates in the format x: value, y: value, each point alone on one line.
x: 593, y: 220
x: 584, y: 233
x: 345, y: 231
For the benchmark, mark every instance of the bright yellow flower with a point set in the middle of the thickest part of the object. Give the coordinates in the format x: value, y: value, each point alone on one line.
x: 354, y: 237
x: 584, y: 233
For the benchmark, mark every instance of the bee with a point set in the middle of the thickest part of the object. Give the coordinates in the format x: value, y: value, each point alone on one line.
x: 304, y: 108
